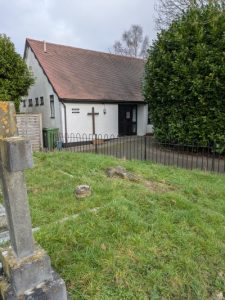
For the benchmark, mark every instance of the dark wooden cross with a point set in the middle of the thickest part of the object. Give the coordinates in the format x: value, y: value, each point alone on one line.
x: 93, y: 114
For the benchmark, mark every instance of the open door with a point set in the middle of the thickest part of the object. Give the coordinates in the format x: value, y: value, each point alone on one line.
x: 127, y: 119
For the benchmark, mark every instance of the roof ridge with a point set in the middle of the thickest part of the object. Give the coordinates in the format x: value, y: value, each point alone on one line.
x: 95, y: 51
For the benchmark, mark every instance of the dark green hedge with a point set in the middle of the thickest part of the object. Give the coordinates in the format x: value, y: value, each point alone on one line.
x: 185, y: 79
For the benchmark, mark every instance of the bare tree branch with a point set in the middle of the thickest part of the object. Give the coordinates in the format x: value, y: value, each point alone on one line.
x: 144, y: 48
x: 133, y: 43
x: 169, y: 10
x: 117, y: 47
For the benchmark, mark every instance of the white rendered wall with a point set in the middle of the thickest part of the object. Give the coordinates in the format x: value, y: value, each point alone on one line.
x: 142, y: 119
x: 150, y: 128
x: 81, y: 123
x: 41, y: 88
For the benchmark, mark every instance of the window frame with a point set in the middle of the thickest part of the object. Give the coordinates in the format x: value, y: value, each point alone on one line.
x: 36, y: 101
x: 30, y: 104
x: 52, y: 107
x: 24, y: 103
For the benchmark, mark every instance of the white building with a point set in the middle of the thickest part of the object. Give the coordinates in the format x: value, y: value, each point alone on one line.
x: 72, y: 83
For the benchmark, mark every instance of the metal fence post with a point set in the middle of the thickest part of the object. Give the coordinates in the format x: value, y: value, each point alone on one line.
x: 96, y: 144
x: 145, y: 153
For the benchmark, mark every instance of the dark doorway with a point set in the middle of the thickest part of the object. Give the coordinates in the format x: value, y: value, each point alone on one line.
x: 127, y: 119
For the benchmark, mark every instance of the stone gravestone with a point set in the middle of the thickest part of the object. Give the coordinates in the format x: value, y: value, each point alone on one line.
x: 27, y: 272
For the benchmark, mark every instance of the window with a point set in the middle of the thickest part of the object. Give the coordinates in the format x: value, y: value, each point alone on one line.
x: 24, y: 103
x: 30, y: 102
x: 52, y: 106
x: 127, y: 115
x: 42, y: 100
x: 36, y: 102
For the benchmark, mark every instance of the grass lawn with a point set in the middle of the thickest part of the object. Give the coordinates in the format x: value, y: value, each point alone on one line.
x: 160, y: 238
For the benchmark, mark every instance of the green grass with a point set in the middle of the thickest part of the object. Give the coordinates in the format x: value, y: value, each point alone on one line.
x: 141, y: 243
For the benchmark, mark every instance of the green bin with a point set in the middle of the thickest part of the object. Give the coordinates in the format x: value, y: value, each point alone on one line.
x: 50, y: 137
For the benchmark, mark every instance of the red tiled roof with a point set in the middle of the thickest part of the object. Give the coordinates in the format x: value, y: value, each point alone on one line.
x: 78, y: 74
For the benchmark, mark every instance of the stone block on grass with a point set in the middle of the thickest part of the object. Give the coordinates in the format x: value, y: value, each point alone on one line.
x: 82, y: 191
x: 28, y: 272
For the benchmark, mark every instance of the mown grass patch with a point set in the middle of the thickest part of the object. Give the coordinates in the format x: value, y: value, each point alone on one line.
x: 142, y: 242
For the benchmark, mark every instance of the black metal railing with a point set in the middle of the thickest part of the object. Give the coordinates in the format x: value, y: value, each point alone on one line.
x: 143, y: 148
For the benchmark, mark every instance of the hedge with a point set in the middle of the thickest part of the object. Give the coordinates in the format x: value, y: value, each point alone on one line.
x: 185, y: 79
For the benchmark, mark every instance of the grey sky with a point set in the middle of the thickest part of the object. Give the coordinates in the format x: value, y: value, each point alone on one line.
x: 91, y: 24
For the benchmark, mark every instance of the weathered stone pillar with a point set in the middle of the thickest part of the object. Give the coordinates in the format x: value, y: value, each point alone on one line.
x: 27, y: 267
x: 16, y: 156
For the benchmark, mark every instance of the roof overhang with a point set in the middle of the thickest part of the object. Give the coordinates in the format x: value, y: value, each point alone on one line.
x: 101, y: 101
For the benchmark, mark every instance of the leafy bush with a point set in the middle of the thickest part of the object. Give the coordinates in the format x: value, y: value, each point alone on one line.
x: 15, y: 78
x: 185, y: 79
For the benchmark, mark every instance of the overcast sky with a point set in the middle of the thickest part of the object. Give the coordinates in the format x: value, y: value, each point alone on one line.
x: 90, y: 24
